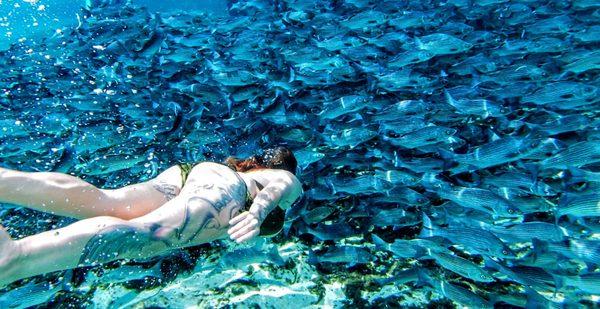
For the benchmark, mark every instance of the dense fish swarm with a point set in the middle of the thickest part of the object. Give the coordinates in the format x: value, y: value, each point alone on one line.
x: 451, y: 147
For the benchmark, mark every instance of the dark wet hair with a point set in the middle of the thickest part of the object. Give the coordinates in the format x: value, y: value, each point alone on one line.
x: 277, y: 158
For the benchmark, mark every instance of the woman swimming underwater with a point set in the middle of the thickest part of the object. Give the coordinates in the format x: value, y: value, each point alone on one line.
x: 186, y: 205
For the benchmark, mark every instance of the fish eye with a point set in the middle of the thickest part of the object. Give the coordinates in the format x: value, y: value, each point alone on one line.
x: 510, y: 211
x: 505, y: 252
x: 449, y: 132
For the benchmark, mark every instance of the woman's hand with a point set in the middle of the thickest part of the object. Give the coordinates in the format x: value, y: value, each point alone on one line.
x: 245, y: 226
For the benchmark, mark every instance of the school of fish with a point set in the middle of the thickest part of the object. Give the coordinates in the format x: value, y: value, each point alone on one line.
x: 457, y: 138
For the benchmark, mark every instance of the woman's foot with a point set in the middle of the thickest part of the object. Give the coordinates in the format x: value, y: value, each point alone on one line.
x: 8, y: 257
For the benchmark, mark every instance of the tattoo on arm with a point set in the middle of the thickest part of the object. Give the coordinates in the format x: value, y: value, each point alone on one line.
x: 169, y: 190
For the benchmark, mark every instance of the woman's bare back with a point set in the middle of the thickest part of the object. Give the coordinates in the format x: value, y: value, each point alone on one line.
x: 213, y: 194
x: 200, y: 213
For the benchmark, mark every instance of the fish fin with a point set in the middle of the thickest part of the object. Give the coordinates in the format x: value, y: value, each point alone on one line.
x: 425, y: 255
x: 274, y: 256
x: 562, y: 203
x: 535, y: 300
x: 446, y: 155
x: 66, y: 283
x: 331, y: 185
x: 559, y: 283
x: 419, y: 43
x: 494, y: 136
x: 380, y: 243
x: 428, y: 228
x: 424, y: 277
x: 538, y: 247
x: 533, y: 169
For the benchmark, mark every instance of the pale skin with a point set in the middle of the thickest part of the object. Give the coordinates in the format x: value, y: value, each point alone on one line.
x: 137, y: 221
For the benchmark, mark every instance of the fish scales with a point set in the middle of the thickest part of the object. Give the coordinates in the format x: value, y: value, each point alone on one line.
x: 461, y: 266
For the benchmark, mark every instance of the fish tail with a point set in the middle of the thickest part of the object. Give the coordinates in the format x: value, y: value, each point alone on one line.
x: 274, y: 256
x: 229, y: 103
x: 450, y: 99
x: 66, y: 283
x: 292, y: 75
x: 312, y: 257
x: 538, y: 247
x: 564, y: 201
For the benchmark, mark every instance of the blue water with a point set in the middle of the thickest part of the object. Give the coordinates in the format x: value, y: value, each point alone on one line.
x: 449, y: 150
x: 42, y: 18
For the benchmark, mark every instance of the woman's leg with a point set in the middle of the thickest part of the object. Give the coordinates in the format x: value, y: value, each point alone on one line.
x: 70, y: 196
x: 186, y: 220
x: 56, y: 193
x: 87, y: 242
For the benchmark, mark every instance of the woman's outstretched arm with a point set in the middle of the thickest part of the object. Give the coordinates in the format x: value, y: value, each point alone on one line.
x: 282, y: 191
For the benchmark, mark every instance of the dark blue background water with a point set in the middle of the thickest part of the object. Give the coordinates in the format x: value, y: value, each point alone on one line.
x: 34, y: 18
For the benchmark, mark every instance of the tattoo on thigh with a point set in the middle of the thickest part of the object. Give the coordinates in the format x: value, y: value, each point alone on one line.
x: 119, y: 241
x: 202, y: 213
x: 169, y: 190
x: 207, y: 219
